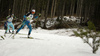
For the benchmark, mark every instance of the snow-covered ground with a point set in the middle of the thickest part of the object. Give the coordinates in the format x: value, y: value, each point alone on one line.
x: 45, y: 43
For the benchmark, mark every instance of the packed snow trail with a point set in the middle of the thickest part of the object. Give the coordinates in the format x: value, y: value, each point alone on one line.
x: 46, y: 43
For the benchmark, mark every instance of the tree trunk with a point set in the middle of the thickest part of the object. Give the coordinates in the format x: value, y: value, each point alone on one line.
x: 80, y: 11
x: 62, y: 14
x: 71, y: 9
x: 13, y: 7
x: 52, y: 9
x: 55, y: 8
x: 46, y: 14
x: 29, y: 5
x: 77, y: 10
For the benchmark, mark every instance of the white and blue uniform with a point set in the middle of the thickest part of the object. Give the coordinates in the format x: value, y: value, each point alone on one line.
x: 9, y: 23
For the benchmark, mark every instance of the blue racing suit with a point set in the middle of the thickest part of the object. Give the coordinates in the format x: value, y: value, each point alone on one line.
x: 5, y: 25
x: 26, y: 21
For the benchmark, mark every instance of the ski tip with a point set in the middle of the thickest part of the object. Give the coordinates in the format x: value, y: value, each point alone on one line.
x: 27, y: 37
x: 13, y: 37
x: 30, y: 37
x: 2, y: 37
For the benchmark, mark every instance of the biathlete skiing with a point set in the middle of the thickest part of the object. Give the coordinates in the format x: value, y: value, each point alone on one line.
x: 9, y: 23
x: 29, y: 16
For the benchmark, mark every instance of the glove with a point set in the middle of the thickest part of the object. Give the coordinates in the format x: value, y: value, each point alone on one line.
x: 36, y: 17
x: 28, y: 23
x: 27, y: 18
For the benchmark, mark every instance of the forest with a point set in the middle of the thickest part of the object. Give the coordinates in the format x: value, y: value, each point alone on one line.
x: 83, y: 9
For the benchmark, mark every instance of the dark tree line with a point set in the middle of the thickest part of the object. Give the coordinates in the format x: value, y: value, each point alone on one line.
x: 85, y: 9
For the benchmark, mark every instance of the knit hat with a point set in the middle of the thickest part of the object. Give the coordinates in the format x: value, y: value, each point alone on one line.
x: 12, y: 14
x: 33, y: 10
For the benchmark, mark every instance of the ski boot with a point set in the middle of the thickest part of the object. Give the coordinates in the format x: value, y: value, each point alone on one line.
x: 9, y: 31
x: 30, y: 37
x: 12, y: 32
x: 5, y: 34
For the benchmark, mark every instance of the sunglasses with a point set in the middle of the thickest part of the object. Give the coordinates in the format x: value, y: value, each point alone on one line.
x: 33, y: 12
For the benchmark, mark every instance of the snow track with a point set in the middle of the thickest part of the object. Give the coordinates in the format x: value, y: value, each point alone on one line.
x: 46, y: 43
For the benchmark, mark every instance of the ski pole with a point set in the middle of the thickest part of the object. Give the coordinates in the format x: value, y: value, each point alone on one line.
x: 21, y: 24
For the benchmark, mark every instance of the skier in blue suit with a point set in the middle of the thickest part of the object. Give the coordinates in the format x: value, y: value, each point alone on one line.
x: 29, y: 16
x: 9, y: 23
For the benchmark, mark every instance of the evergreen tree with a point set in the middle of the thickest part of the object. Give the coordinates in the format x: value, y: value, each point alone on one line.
x: 90, y: 33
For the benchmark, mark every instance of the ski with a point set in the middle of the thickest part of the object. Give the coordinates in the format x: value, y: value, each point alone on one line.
x: 30, y: 38
x: 21, y: 34
x: 2, y: 37
x: 27, y: 37
x: 13, y: 36
x: 6, y: 34
x: 10, y: 35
